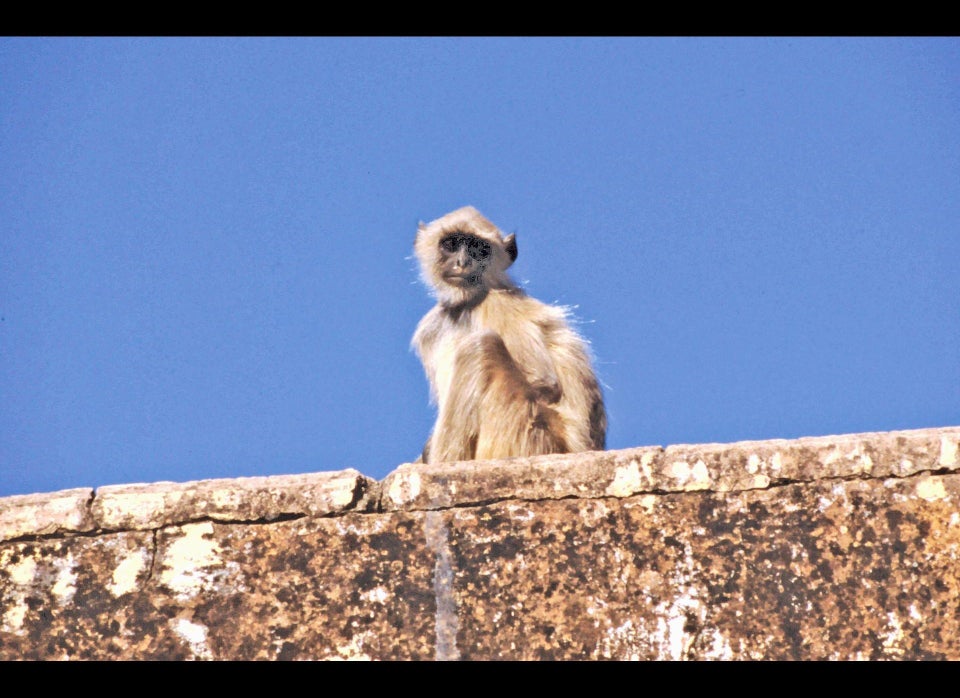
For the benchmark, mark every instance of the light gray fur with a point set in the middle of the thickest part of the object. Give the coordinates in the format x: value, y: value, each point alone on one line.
x: 510, y: 377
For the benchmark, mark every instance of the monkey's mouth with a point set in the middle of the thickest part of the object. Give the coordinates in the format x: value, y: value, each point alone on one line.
x: 462, y: 279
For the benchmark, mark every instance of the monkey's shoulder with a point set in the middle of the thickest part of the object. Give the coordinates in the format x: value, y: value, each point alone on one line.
x: 443, y: 324
x: 517, y: 309
x: 514, y: 302
x: 508, y: 312
x: 429, y: 327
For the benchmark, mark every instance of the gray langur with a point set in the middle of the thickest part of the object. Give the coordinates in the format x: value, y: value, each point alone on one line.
x: 510, y: 377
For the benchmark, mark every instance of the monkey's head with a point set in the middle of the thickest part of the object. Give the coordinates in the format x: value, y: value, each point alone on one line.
x: 463, y: 255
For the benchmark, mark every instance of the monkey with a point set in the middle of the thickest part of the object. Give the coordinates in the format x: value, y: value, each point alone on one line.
x: 508, y: 374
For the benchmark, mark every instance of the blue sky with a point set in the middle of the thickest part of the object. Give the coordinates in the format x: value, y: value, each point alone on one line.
x: 205, y: 251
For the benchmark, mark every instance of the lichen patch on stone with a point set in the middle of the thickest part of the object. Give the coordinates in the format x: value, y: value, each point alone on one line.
x: 124, y: 579
x: 626, y: 481
x: 342, y: 494
x: 15, y: 612
x: 931, y: 488
x: 23, y: 572
x: 65, y: 585
x: 192, y: 561
x: 690, y: 477
x: 353, y: 650
x: 948, y: 452
x: 194, y: 635
x: 404, y: 488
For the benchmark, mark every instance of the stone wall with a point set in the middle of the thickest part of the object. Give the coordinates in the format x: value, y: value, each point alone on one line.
x: 843, y: 547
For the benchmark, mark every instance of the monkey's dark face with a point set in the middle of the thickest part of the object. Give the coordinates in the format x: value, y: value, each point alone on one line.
x: 463, y: 259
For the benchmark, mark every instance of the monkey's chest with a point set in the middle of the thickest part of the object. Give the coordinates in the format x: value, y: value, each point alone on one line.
x: 445, y: 352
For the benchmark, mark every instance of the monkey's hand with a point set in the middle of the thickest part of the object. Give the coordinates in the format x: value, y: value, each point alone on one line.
x: 547, y: 391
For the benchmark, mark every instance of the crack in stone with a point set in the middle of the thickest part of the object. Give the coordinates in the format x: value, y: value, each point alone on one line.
x: 378, y: 509
x: 853, y: 477
x: 263, y: 521
x: 690, y: 654
x: 378, y: 502
x: 59, y: 535
x: 360, y: 490
x: 657, y: 491
x: 88, y: 507
x: 154, y: 551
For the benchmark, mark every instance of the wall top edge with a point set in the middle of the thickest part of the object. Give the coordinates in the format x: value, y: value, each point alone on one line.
x: 719, y: 467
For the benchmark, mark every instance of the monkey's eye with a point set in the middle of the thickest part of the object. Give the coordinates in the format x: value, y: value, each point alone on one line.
x: 450, y: 243
x: 478, y: 248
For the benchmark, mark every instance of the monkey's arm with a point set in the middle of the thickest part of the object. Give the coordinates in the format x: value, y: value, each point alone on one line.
x: 527, y: 327
x: 424, y: 343
x: 533, y: 358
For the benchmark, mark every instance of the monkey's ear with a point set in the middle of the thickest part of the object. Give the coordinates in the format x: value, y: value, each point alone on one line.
x: 510, y: 245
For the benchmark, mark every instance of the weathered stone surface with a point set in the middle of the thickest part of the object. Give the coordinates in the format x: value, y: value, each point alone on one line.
x: 77, y: 597
x: 753, y: 464
x: 842, y: 570
x: 45, y: 514
x: 287, y: 590
x: 146, y: 506
x: 842, y: 547
x: 718, y: 467
x: 440, y: 486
